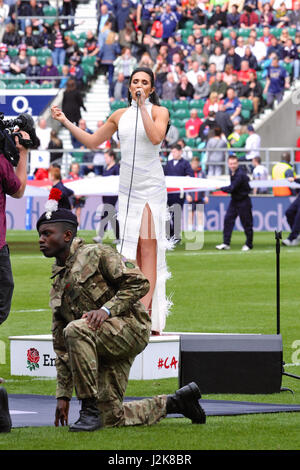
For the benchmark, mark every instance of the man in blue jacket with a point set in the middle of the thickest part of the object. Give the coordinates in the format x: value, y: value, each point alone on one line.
x: 177, y: 166
x: 240, y: 205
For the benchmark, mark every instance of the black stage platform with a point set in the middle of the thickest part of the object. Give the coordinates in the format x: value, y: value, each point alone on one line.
x: 39, y: 410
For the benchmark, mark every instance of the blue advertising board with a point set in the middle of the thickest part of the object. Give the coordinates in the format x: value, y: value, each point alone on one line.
x: 268, y: 213
x: 33, y: 102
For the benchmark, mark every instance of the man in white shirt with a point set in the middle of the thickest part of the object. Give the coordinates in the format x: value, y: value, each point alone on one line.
x: 43, y: 132
x: 192, y: 75
x: 260, y: 173
x: 252, y: 144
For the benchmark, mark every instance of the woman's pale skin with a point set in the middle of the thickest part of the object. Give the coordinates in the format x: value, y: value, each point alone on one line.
x: 155, y: 129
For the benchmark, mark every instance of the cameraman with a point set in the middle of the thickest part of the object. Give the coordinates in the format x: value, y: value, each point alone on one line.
x: 13, y: 183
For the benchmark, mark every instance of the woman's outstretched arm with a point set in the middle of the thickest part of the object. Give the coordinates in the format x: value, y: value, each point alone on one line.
x: 91, y: 141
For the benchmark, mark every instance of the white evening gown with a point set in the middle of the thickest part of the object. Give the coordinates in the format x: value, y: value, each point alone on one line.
x: 148, y: 186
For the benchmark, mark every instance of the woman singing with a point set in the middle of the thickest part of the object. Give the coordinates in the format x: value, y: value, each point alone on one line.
x: 142, y: 189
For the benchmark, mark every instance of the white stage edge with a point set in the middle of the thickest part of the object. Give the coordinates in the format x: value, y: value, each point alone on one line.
x: 34, y: 356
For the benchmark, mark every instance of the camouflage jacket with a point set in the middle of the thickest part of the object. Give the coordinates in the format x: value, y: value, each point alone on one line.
x: 94, y: 276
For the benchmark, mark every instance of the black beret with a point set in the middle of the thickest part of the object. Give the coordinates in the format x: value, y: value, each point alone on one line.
x: 60, y: 215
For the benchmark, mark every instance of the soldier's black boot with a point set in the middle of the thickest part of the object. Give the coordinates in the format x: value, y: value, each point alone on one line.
x: 5, y: 420
x: 89, y: 419
x: 185, y: 401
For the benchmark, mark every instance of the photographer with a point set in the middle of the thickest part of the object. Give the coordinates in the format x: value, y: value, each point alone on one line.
x: 13, y: 183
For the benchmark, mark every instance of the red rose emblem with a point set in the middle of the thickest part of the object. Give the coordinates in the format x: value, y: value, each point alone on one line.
x: 33, y: 358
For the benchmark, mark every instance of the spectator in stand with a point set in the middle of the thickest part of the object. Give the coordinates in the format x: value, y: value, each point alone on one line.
x: 105, y: 14
x: 291, y: 56
x: 218, y: 18
x: 20, y: 63
x: 98, y: 160
x: 281, y: 16
x: 250, y: 58
x: 277, y: 81
x: 192, y: 74
x: 267, y: 36
x: 258, y: 48
x: 34, y: 10
x: 55, y: 143
x: 77, y: 202
x: 249, y: 19
x: 200, y: 19
x: 65, y: 73
x: 108, y: 51
x: 4, y: 15
x: 119, y: 90
x: 55, y: 178
x: 125, y: 63
x: 43, y: 131
x: 259, y: 173
x: 211, y: 73
x: 237, y: 140
x: 169, y: 20
x: 218, y: 58
x: 209, y: 124
x: 196, y: 221
x: 72, y: 47
x: 232, y: 105
x: 4, y: 59
x: 252, y: 145
x: 58, y: 45
x: 76, y: 71
x: 72, y: 102
x: 216, y: 144
x: 146, y: 61
x: 219, y: 86
x: 161, y: 78
x: 228, y: 74
x: 275, y: 48
x: 253, y: 91
x: 233, y: 58
x: 127, y: 36
x: 169, y: 88
x: 109, y: 213
x: 208, y: 46
x: 144, y: 15
x: 199, y: 56
x: 297, y: 157
x: 121, y: 12
x: 237, y: 85
x: 91, y: 45
x: 32, y: 41
x: 223, y: 120
x: 294, y: 16
x: 11, y: 36
x: 240, y: 46
x: 33, y: 69
x: 176, y: 166
x: 68, y: 9
x: 184, y: 89
x: 189, y: 47
x: 212, y: 104
x: 201, y: 90
x: 233, y: 18
x: 192, y: 125
x: 49, y: 70
x: 244, y: 73
x: 266, y: 17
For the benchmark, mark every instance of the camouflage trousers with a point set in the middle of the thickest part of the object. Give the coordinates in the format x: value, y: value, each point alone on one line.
x: 100, y: 364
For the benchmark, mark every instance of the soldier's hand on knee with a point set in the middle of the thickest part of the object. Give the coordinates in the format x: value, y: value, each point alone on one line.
x: 95, y: 318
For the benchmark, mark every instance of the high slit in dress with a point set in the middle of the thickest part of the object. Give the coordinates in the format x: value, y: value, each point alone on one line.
x: 148, y: 187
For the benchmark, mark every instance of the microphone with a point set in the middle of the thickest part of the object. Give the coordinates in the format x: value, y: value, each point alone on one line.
x: 138, y: 94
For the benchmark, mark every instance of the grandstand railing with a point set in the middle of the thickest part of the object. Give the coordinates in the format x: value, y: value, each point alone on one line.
x: 72, y: 155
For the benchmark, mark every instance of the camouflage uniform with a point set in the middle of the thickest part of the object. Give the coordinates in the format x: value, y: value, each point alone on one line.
x: 98, y: 362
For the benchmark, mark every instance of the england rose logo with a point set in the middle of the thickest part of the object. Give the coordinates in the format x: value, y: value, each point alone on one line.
x: 33, y: 358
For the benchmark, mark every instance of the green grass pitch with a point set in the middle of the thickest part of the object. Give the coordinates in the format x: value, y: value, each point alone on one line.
x: 221, y: 292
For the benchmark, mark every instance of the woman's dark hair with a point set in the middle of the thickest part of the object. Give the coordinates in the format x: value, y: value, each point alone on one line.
x: 153, y: 97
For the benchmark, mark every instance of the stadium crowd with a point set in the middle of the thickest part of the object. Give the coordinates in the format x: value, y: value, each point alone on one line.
x: 217, y: 63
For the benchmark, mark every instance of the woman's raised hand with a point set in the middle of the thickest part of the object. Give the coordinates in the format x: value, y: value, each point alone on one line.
x: 57, y: 114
